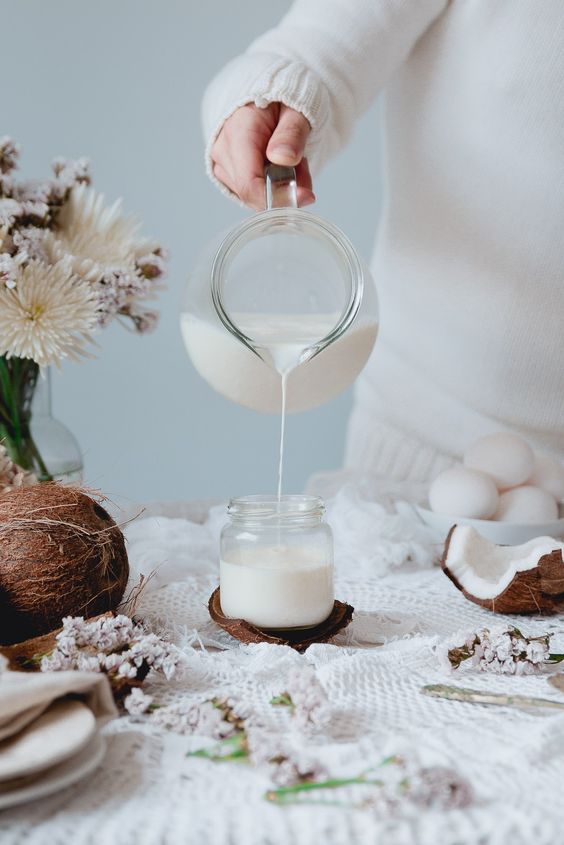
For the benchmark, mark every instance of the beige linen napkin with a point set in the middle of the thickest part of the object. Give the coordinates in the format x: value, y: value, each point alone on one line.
x: 24, y: 696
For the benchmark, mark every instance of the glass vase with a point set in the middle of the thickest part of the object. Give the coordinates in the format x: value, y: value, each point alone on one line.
x: 34, y: 439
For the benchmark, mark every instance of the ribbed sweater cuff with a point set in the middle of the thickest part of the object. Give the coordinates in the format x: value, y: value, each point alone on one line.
x: 262, y: 79
x: 374, y: 445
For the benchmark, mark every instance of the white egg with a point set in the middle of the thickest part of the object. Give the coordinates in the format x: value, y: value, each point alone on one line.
x: 548, y: 473
x: 506, y: 457
x: 526, y: 505
x: 464, y: 493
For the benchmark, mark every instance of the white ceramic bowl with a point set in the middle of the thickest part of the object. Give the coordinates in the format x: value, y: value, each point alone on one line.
x: 502, y: 533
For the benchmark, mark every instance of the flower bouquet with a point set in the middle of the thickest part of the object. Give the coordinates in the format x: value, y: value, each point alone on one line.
x: 69, y: 265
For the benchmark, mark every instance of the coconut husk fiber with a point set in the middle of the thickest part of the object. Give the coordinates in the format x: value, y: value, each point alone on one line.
x: 61, y: 554
x: 299, y: 639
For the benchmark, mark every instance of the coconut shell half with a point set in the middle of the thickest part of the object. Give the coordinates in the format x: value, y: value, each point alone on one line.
x: 26, y: 656
x: 506, y: 579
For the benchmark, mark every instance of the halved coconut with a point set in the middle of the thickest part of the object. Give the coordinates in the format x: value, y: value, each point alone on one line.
x: 506, y: 579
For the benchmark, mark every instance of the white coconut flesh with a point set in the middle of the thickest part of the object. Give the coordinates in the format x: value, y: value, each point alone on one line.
x: 484, y: 569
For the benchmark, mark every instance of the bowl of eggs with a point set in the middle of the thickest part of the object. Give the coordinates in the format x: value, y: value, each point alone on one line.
x: 503, y: 489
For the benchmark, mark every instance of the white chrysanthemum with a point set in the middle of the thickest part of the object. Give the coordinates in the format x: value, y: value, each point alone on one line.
x: 47, y: 316
x: 97, y: 239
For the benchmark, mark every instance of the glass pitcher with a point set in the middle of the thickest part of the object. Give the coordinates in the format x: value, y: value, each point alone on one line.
x: 284, y: 291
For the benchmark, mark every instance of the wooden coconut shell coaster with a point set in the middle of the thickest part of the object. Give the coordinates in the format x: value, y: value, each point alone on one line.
x: 297, y: 638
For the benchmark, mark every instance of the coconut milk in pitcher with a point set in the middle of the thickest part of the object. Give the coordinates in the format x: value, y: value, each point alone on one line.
x: 281, y: 312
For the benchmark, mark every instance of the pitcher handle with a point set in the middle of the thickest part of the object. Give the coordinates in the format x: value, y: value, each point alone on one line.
x: 280, y: 186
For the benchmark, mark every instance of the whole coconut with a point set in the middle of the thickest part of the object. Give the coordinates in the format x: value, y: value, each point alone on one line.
x: 61, y: 554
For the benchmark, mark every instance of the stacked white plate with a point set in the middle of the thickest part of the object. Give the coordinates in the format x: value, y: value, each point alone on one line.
x: 502, y: 533
x: 57, y: 749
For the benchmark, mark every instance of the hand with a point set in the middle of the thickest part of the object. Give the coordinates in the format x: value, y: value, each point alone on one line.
x: 251, y: 136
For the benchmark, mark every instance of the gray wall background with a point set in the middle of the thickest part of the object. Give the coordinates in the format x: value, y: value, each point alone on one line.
x: 121, y: 82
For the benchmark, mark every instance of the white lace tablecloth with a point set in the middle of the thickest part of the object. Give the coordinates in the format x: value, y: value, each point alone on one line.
x: 148, y: 791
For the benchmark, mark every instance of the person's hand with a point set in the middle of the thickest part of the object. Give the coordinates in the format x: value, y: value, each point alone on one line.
x: 251, y: 136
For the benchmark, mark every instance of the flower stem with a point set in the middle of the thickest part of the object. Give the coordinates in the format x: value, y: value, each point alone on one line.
x: 44, y: 474
x: 287, y: 794
x: 18, y: 379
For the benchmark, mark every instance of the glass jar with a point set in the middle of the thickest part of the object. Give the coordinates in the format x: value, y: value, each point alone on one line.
x: 276, y: 562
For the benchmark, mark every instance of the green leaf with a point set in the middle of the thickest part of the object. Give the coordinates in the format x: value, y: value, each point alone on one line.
x: 282, y: 700
x: 231, y: 748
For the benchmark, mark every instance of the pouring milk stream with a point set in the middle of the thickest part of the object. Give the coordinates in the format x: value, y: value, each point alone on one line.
x: 283, y: 342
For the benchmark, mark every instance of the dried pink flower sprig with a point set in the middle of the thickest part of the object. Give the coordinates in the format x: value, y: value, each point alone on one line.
x: 397, y: 787
x: 305, y: 699
x: 503, y: 651
x: 29, y: 205
x: 285, y: 759
x: 397, y: 784
x: 407, y: 787
x: 402, y: 784
x: 61, y: 224
x: 118, y: 646
x: 240, y: 736
x: 137, y: 703
x: 11, y: 475
x: 216, y: 718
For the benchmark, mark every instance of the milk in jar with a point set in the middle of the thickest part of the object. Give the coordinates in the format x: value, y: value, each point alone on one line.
x: 276, y: 562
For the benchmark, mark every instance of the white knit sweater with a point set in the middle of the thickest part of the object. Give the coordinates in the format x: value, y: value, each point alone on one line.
x: 469, y: 261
